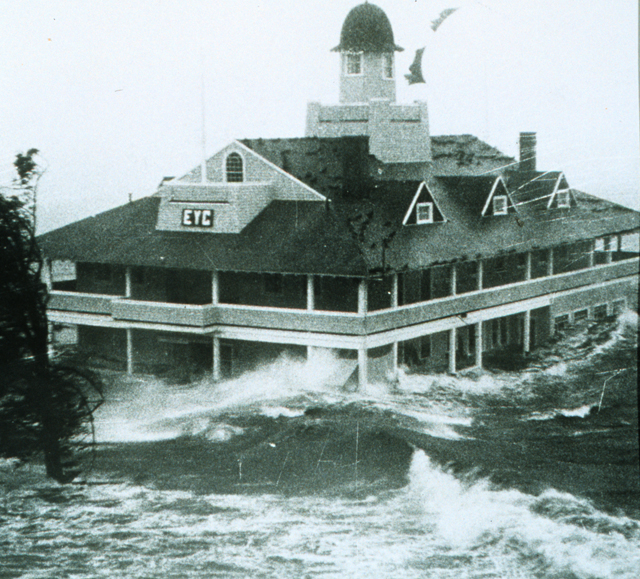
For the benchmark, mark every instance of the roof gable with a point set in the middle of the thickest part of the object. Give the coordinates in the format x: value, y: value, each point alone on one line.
x: 423, y: 195
x: 498, y: 190
x: 232, y: 194
x: 562, y: 196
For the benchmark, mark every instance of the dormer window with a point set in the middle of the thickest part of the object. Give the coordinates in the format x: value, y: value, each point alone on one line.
x: 387, y: 66
x: 234, y: 168
x: 353, y: 62
x: 500, y: 205
x: 424, y: 213
x: 563, y: 199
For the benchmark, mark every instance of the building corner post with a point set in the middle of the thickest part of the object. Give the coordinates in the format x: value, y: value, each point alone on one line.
x: 127, y: 282
x: 526, y: 338
x: 129, y: 351
x: 47, y: 275
x: 362, y: 297
x: 362, y: 370
x: 394, y: 360
x: 478, y: 338
x: 311, y: 298
x: 394, y: 291
x: 452, y: 351
x: 592, y: 249
x: 216, y: 359
x: 215, y: 288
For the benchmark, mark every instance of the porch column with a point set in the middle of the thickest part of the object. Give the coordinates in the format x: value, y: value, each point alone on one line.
x: 527, y: 266
x: 216, y: 359
x: 129, y: 351
x: 362, y: 369
x: 46, y: 274
x: 526, y: 338
x: 454, y: 275
x: 394, y: 360
x: 480, y: 274
x: 452, y: 351
x: 215, y: 288
x: 619, y: 242
x: 592, y: 248
x: 127, y: 282
x: 394, y: 292
x: 479, y: 344
x: 550, y: 262
x: 362, y: 297
x: 311, y: 301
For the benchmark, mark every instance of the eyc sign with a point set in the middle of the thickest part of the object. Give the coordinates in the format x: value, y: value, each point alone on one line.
x: 197, y: 217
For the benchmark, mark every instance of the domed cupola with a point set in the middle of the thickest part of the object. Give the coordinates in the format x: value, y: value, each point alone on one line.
x: 367, y: 29
x: 367, y: 51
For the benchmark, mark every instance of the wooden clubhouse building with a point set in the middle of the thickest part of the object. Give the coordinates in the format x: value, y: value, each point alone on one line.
x: 368, y: 236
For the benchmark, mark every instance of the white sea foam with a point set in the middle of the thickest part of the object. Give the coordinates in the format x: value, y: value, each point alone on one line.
x: 552, y: 532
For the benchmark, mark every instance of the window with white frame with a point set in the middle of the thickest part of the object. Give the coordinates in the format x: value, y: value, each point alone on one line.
x: 424, y: 213
x: 234, y: 168
x: 563, y: 199
x: 387, y: 66
x: 499, y: 204
x: 353, y: 63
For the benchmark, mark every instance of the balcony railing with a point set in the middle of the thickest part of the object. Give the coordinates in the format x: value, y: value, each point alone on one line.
x: 203, y: 316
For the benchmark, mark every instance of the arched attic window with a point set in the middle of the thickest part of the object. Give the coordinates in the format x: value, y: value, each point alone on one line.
x: 234, y: 168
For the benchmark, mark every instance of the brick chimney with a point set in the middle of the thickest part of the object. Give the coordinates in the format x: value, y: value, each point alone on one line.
x: 527, y: 152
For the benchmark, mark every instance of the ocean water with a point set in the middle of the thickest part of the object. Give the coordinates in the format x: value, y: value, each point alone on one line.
x: 530, y: 474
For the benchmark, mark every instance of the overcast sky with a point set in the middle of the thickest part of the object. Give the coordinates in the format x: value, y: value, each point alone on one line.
x: 110, y: 92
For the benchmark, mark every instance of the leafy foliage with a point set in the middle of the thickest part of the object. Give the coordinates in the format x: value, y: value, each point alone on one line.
x: 44, y: 406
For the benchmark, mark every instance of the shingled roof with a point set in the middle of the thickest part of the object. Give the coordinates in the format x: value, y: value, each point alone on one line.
x: 288, y: 237
x: 359, y: 231
x: 466, y: 154
x: 343, y: 167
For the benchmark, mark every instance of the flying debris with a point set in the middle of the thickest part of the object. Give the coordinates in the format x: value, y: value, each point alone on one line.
x: 435, y: 24
x: 416, y: 68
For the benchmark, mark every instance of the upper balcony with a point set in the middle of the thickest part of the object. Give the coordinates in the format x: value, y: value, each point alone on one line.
x: 202, y: 318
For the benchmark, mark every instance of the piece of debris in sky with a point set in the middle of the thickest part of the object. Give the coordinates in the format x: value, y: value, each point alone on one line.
x: 440, y: 19
x: 415, y: 69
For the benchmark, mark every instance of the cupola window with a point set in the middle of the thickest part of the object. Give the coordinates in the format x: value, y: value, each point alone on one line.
x: 424, y: 213
x: 234, y: 168
x: 387, y: 66
x: 500, y: 205
x: 353, y: 62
